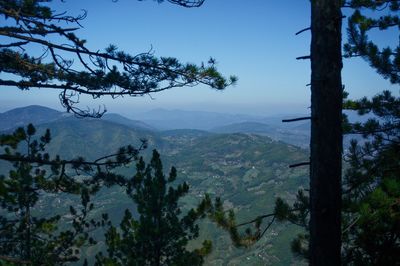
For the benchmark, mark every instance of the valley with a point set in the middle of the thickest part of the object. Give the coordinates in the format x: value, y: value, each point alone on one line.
x: 244, y: 163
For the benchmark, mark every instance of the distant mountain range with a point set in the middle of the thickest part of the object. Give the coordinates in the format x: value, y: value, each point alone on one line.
x: 177, y: 119
x: 38, y: 115
x: 167, y: 120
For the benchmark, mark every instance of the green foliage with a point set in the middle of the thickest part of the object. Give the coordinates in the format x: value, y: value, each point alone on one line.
x: 371, y: 188
x: 371, y: 210
x: 371, y: 223
x: 226, y: 218
x: 297, y: 214
x: 227, y: 221
x: 386, y: 60
x: 283, y: 212
x: 26, y: 235
x: 30, y: 234
x: 160, y: 234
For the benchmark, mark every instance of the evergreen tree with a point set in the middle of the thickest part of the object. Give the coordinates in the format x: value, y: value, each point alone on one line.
x: 160, y: 234
x: 371, y: 222
x: 30, y: 234
x: 371, y: 187
x: 67, y: 65
x: 368, y: 16
x: 370, y: 183
x: 370, y: 210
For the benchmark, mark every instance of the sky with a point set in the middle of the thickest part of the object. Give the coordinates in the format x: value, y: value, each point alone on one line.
x: 253, y: 40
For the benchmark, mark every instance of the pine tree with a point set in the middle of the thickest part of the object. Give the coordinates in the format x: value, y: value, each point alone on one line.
x: 160, y: 234
x: 386, y: 61
x: 30, y: 234
x: 371, y: 184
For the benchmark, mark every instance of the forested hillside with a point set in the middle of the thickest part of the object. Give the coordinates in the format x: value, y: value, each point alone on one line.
x: 247, y: 171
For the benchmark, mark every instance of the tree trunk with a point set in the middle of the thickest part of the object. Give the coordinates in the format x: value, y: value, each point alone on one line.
x: 326, y: 133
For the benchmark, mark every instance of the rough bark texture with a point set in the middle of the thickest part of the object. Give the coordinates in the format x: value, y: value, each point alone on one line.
x: 326, y: 133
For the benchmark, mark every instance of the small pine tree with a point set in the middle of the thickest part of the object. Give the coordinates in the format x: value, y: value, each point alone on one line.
x: 160, y: 234
x: 31, y: 235
x: 371, y: 207
x: 25, y: 235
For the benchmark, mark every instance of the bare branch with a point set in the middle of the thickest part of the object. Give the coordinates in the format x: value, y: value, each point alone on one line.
x: 303, y: 57
x: 296, y: 119
x: 299, y: 164
x: 303, y: 30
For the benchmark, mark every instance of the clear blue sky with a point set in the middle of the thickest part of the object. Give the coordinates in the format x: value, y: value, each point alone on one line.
x: 254, y: 40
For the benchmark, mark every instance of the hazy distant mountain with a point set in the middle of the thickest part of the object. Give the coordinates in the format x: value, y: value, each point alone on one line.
x: 178, y: 119
x: 161, y: 119
x: 245, y: 127
x: 185, y: 132
x: 295, y: 136
x: 38, y: 115
x: 34, y: 114
x: 119, y: 119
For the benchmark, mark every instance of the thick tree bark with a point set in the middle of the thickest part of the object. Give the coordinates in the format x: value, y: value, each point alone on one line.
x: 326, y: 133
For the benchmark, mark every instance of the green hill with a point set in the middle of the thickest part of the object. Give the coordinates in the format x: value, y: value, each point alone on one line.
x: 298, y: 136
x: 93, y: 138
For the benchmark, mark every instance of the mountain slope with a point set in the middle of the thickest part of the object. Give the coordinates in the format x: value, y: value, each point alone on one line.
x: 93, y: 138
x: 248, y: 172
x: 119, y: 119
x: 245, y: 127
x: 179, y: 119
x: 34, y: 114
x: 38, y: 115
x: 298, y: 136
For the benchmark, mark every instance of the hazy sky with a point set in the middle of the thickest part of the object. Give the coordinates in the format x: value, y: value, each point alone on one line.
x: 254, y: 40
